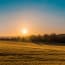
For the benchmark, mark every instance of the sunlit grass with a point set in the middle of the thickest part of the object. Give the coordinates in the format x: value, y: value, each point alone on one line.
x: 21, y: 53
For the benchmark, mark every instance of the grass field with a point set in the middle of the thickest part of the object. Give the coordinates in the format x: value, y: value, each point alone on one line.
x: 20, y: 53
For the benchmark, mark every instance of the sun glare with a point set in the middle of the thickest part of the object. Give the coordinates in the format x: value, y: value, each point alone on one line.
x: 24, y: 31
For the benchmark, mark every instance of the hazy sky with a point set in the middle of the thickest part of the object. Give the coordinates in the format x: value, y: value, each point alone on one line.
x: 38, y: 16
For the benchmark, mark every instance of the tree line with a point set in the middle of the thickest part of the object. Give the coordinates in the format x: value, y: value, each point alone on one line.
x: 54, y: 38
x: 47, y: 38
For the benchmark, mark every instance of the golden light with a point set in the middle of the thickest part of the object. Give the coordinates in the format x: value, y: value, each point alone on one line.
x: 24, y: 31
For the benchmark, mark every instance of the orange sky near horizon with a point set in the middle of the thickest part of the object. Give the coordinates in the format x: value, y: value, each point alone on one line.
x: 36, y: 16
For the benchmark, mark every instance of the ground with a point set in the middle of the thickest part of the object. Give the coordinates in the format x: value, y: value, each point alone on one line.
x: 20, y: 53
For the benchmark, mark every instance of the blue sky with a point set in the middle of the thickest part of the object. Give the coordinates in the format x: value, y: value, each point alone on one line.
x: 48, y: 16
x: 47, y: 5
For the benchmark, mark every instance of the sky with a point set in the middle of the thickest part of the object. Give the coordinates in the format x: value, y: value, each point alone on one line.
x: 37, y: 16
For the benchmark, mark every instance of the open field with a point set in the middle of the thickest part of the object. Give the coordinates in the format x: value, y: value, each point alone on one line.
x: 20, y: 53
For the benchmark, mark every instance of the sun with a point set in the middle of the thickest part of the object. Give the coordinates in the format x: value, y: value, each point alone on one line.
x: 24, y: 31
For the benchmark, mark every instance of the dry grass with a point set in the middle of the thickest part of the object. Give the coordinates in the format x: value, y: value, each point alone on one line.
x: 19, y: 53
